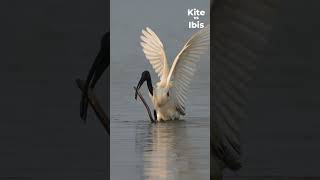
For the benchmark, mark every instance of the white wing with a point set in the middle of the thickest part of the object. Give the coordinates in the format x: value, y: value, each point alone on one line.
x: 154, y: 52
x: 184, y: 65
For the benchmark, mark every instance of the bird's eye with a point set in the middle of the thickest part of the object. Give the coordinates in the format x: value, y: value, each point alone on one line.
x: 167, y: 93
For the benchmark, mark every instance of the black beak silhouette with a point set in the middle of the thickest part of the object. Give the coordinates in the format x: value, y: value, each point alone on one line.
x: 145, y: 76
x: 145, y: 105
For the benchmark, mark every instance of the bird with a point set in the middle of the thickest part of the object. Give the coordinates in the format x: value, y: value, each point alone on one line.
x: 100, y: 64
x: 169, y: 94
x: 240, y: 32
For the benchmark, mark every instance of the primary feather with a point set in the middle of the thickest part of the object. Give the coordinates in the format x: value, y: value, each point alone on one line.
x: 184, y: 65
x: 154, y: 52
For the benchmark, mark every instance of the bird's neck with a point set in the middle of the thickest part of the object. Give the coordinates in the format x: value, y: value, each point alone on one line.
x: 164, y: 84
x: 161, y: 84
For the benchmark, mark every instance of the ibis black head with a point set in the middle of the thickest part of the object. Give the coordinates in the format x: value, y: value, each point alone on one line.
x: 145, y: 76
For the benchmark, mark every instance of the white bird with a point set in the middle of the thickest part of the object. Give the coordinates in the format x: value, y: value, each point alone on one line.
x: 170, y: 93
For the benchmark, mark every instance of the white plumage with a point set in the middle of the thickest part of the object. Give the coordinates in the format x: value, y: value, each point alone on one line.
x: 178, y: 77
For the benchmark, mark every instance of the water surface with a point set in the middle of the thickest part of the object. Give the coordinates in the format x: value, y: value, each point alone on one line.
x: 171, y: 150
x: 139, y: 149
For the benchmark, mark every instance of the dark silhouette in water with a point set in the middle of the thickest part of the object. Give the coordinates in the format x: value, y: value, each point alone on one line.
x: 100, y: 64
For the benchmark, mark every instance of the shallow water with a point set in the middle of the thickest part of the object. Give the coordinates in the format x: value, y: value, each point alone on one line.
x: 159, y: 151
x: 168, y: 150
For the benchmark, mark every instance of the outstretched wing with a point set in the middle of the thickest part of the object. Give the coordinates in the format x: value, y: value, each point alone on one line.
x: 184, y: 65
x: 239, y: 35
x: 154, y: 52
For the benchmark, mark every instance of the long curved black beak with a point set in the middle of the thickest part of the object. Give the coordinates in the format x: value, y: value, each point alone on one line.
x: 146, y: 106
x: 145, y: 76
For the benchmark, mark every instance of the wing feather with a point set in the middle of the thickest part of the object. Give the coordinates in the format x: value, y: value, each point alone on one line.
x: 154, y: 52
x: 184, y: 65
x: 239, y: 35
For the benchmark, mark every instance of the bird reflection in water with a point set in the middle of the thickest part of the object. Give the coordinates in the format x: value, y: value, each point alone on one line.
x: 166, y: 151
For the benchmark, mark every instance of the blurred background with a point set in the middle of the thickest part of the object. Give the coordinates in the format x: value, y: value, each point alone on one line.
x: 281, y: 137
x: 44, y: 46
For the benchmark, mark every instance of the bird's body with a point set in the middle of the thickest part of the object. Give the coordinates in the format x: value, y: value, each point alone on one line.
x: 165, y: 107
x: 169, y: 94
